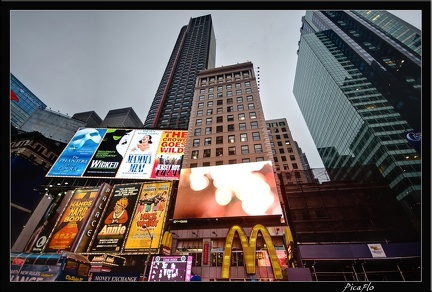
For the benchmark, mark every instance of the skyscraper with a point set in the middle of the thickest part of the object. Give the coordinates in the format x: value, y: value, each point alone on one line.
x: 194, y: 50
x: 358, y: 86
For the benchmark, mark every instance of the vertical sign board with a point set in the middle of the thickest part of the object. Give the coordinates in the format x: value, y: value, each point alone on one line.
x: 73, y: 220
x: 147, y: 222
x: 116, y: 219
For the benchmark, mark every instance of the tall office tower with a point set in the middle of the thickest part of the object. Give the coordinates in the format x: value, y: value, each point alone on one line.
x: 122, y: 117
x: 23, y: 103
x: 194, y: 50
x: 359, y: 89
x: 227, y: 124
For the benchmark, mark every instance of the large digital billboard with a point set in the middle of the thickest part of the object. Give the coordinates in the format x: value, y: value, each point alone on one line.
x: 246, y: 189
x: 122, y: 153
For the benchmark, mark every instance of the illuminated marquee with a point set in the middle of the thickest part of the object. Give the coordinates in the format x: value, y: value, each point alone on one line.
x: 249, y: 250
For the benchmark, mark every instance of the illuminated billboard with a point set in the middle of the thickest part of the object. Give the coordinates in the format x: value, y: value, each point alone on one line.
x: 122, y: 153
x: 170, y: 268
x: 246, y: 189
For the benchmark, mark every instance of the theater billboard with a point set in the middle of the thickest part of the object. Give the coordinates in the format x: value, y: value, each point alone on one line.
x: 123, y: 154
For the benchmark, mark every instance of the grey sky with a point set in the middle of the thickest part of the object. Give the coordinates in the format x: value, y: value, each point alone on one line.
x: 77, y: 61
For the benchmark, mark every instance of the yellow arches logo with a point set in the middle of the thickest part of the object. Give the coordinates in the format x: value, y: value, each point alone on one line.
x: 249, y: 250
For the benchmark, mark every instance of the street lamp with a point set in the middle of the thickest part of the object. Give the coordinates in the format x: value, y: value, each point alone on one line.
x: 149, y: 251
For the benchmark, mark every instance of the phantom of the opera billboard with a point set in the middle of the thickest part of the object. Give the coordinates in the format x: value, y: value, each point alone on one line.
x: 247, y: 189
x: 122, y: 153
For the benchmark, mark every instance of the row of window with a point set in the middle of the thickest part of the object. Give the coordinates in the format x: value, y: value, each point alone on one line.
x: 231, y: 151
x: 230, y: 128
x: 240, y: 107
x: 225, y: 78
x: 230, y: 118
x: 229, y: 100
x: 256, y: 136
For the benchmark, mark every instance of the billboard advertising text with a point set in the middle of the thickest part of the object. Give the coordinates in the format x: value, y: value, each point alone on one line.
x: 122, y: 153
x: 247, y: 189
x: 147, y: 221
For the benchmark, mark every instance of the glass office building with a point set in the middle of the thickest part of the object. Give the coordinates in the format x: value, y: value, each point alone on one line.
x: 194, y: 50
x: 358, y: 86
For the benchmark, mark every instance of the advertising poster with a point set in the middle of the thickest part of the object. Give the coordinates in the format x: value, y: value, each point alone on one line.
x: 245, y: 189
x: 169, y: 156
x: 34, y: 273
x: 139, y: 158
x: 116, y: 219
x: 147, y: 222
x: 87, y: 234
x: 73, y: 219
x: 77, y: 154
x: 109, y: 154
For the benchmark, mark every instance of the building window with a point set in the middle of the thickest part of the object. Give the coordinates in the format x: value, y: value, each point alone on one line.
x: 219, y: 129
x: 220, y: 95
x: 238, y: 85
x: 219, y: 102
x: 219, y: 151
x: 292, y: 157
x: 295, y: 166
x: 219, y: 140
x: 241, y: 116
x: 259, y: 159
x: 279, y: 143
x: 243, y: 137
x: 203, y: 90
x: 256, y: 136
x: 209, y: 121
x: 206, y: 164
x: 245, y: 149
x: 248, y: 90
x: 193, y: 165
x: 198, y: 122
x: 281, y: 151
x: 230, y: 118
x: 245, y: 160
x: 210, y: 96
x: 231, y: 139
x: 207, y: 153
x: 197, y: 132
x: 252, y: 115
x: 219, y: 119
x: 199, y: 113
x: 231, y: 150
x: 254, y: 125
x: 251, y: 106
x: 229, y: 93
x: 229, y: 86
x: 247, y: 84
x: 209, y: 103
x: 200, y: 105
x: 201, y: 97
x: 249, y: 98
x: 196, y: 142
x: 232, y: 161
x: 242, y: 126
x: 230, y: 109
x: 208, y: 130
x: 207, y: 141
x: 219, y: 162
x: 219, y: 110
x: 258, y: 148
x: 211, y: 89
x: 195, y: 154
x: 283, y: 157
x: 240, y: 107
x: 239, y: 99
x: 238, y: 91
x: 230, y: 127
x: 285, y: 167
x: 229, y: 101
x: 209, y: 112
x: 220, y: 88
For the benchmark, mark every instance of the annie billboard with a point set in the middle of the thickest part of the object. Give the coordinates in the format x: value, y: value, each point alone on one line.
x: 122, y: 153
x: 246, y: 189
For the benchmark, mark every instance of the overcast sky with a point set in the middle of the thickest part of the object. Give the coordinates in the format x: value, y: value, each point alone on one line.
x: 77, y: 61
